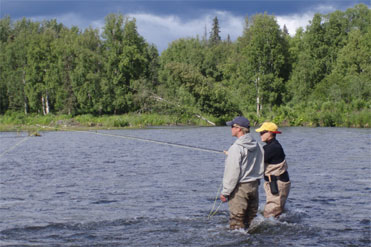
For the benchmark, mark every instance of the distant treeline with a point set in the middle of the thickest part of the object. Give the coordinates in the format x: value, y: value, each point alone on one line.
x: 319, y: 77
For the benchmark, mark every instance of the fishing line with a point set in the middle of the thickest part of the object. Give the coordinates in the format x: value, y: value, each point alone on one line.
x: 14, y: 146
x: 212, y: 212
x: 147, y: 140
x: 155, y: 141
x: 216, y: 210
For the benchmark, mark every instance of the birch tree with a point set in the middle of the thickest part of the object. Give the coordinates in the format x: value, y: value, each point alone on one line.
x: 266, y: 60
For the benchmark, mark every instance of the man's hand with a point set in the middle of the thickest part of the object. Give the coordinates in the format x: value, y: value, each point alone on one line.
x: 223, y: 198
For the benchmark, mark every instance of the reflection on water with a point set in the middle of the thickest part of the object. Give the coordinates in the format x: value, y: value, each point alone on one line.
x: 84, y: 189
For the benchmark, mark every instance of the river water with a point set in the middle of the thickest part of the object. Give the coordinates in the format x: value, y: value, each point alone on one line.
x: 87, y: 189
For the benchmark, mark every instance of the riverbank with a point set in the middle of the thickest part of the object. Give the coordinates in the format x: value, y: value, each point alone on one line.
x: 33, y: 122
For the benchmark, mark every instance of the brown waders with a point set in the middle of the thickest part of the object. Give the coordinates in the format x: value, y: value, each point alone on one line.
x: 276, y: 202
x: 243, y: 205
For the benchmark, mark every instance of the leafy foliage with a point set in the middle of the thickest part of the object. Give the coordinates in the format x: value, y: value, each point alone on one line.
x: 318, y: 77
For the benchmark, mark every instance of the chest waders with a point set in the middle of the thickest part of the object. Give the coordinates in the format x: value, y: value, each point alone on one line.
x: 277, y: 187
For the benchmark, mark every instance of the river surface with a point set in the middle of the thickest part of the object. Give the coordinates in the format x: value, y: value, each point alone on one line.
x: 87, y: 189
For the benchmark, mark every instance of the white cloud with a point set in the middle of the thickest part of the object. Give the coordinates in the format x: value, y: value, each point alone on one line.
x: 293, y: 22
x: 162, y: 30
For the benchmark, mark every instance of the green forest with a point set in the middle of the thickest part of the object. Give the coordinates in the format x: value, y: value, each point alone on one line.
x: 321, y: 76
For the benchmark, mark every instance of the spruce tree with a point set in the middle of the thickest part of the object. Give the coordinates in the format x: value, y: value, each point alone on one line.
x: 214, y: 34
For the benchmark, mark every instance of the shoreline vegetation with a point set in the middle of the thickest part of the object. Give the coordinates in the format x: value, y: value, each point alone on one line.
x: 58, y: 77
x: 33, y: 123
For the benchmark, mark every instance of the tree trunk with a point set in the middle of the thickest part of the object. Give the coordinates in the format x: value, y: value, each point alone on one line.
x: 25, y: 107
x: 261, y: 104
x: 258, y: 107
x: 43, y: 104
x: 47, y: 103
x: 24, y: 94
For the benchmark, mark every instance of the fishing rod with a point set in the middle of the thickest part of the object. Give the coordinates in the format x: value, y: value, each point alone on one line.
x: 145, y: 140
x: 213, y: 210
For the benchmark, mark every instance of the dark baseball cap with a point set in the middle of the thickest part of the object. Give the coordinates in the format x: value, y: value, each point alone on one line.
x: 241, y: 121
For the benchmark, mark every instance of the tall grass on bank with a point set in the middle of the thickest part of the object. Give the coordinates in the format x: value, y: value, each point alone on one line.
x: 314, y: 114
x: 327, y: 114
x: 134, y: 120
x: 15, y: 121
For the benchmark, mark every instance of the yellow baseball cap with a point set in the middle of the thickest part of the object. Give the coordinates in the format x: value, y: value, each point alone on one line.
x: 269, y: 126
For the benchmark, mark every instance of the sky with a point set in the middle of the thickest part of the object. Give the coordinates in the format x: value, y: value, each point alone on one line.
x: 161, y: 22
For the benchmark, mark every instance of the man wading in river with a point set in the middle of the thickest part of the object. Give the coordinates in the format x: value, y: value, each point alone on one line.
x: 277, y: 185
x: 244, y: 167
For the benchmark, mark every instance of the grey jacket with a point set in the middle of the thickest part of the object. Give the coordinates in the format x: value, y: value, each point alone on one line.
x: 244, y: 163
